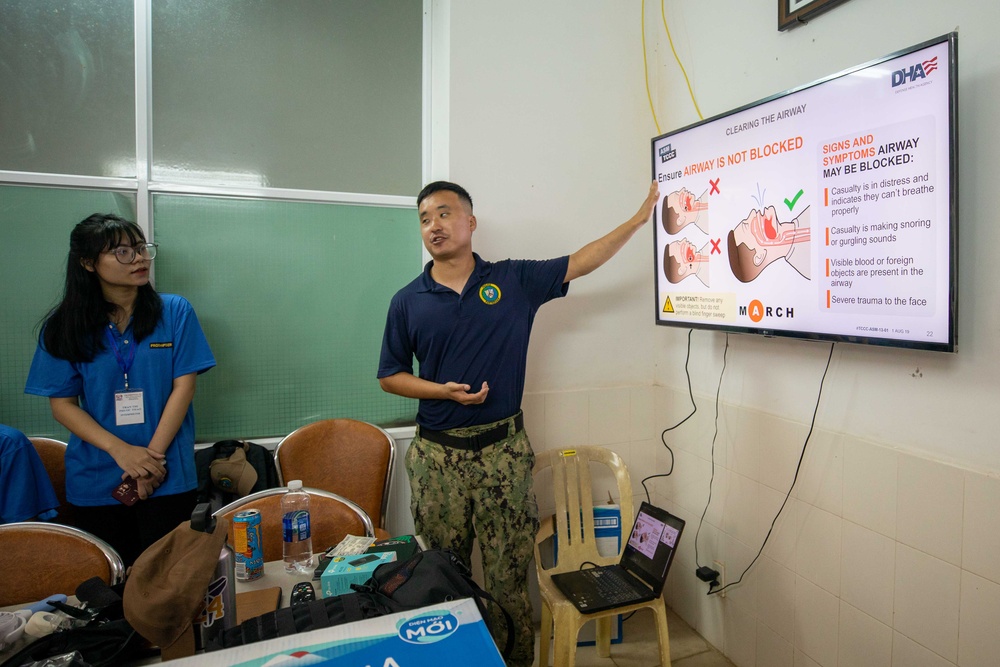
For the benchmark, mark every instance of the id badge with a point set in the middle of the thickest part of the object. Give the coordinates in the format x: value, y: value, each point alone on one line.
x: 129, y: 407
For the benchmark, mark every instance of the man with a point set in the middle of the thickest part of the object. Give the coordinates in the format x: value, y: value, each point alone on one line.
x: 467, y: 322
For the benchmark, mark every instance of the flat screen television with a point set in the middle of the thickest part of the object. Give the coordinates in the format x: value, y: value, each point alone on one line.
x: 825, y: 212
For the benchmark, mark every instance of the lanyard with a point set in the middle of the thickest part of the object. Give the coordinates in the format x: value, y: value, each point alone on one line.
x: 124, y: 361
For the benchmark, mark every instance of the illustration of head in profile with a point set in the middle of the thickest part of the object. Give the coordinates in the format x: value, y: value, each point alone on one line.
x: 761, y: 239
x: 681, y: 259
x: 681, y: 209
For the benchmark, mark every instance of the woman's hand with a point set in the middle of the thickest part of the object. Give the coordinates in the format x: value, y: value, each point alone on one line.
x: 140, y: 462
x: 146, y: 486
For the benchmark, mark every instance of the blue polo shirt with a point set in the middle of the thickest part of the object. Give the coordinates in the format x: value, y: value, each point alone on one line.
x: 176, y: 347
x: 480, y: 335
x: 25, y: 489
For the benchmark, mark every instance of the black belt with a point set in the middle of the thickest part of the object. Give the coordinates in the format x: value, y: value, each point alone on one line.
x: 474, y: 442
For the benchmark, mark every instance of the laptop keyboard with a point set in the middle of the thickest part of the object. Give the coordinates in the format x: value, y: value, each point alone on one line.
x: 612, y: 587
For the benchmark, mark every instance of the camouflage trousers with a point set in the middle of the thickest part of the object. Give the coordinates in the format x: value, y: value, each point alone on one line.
x: 459, y: 495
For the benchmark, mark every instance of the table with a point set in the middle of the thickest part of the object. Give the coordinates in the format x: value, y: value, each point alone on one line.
x: 275, y: 575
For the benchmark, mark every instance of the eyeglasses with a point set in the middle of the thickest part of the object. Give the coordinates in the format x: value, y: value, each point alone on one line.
x: 126, y: 254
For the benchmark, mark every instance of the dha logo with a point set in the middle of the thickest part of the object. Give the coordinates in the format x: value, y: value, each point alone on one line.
x: 667, y: 153
x: 757, y: 311
x: 428, y: 629
x: 918, y: 71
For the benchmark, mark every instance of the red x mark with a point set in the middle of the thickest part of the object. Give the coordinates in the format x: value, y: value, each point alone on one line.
x: 715, y: 245
x: 715, y: 186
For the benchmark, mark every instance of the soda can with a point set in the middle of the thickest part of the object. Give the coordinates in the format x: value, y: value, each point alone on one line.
x: 247, y: 545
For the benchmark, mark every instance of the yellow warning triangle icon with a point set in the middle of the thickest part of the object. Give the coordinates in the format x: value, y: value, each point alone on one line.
x: 668, y: 307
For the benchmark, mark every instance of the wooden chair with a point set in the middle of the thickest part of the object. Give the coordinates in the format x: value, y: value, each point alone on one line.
x: 351, y: 458
x: 53, y: 455
x: 39, y: 559
x: 331, y: 518
x: 571, y: 483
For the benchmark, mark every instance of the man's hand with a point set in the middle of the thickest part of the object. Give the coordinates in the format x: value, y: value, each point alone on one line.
x: 460, y: 393
x: 645, y: 211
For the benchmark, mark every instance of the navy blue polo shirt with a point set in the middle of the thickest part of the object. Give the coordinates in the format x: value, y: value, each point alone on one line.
x: 478, y: 336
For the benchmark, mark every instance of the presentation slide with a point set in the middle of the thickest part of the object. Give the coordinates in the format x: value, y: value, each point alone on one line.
x: 825, y: 211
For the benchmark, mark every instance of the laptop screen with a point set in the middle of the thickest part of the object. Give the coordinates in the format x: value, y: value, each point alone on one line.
x: 650, y: 547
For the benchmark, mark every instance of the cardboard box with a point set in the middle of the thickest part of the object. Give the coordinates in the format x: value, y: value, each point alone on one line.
x: 346, y: 570
x: 450, y: 634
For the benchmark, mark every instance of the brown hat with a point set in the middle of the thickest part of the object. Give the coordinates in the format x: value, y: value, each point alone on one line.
x: 168, y: 583
x: 233, y: 473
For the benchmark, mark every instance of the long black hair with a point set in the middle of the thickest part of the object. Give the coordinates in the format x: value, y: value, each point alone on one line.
x: 73, y: 330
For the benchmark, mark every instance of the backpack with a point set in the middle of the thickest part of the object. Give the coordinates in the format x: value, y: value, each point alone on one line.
x: 430, y: 577
x: 426, y: 578
x: 258, y: 457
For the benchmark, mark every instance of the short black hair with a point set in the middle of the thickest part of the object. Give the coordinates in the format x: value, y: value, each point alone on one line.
x: 438, y: 186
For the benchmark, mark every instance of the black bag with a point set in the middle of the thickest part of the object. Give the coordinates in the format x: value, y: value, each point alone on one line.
x: 428, y: 577
x: 260, y: 458
x: 107, y: 639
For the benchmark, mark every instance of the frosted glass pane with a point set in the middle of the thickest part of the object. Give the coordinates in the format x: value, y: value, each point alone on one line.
x: 313, y: 94
x: 67, y: 87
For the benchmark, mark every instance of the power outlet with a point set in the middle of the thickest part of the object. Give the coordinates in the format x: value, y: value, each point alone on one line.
x: 721, y: 567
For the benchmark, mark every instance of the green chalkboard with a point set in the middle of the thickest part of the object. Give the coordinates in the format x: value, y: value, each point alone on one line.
x: 34, y: 238
x: 292, y: 297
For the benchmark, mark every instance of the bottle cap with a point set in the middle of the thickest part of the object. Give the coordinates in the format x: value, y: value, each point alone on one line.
x: 295, y: 485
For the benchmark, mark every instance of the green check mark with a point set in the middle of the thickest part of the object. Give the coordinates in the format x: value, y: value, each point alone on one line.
x: 791, y: 203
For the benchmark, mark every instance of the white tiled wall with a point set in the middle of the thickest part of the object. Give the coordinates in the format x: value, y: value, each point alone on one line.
x: 879, y: 557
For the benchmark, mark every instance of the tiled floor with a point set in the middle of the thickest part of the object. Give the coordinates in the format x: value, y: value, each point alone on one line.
x: 640, y: 648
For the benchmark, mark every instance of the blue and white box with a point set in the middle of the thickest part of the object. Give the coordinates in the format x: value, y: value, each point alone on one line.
x: 450, y: 634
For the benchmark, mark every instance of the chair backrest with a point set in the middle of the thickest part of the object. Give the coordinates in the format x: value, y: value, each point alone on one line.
x: 574, y: 497
x: 39, y: 559
x: 331, y: 518
x: 351, y: 458
x: 53, y: 455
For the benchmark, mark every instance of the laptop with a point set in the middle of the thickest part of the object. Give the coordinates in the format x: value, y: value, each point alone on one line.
x: 640, y: 574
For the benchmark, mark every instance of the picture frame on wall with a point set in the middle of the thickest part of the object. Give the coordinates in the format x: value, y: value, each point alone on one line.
x: 793, y: 12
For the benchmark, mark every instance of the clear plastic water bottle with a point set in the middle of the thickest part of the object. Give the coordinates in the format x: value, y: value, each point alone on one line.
x: 297, y: 531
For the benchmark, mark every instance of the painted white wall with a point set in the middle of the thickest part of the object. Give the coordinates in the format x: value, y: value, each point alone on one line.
x: 550, y: 134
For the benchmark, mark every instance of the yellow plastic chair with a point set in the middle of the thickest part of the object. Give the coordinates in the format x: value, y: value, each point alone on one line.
x: 571, y: 483
x: 39, y: 559
x: 348, y: 457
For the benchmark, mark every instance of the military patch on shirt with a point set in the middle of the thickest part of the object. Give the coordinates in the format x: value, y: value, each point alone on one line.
x: 156, y: 345
x: 490, y: 294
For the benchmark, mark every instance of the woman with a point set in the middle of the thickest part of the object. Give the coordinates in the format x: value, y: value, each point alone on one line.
x: 118, y: 362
